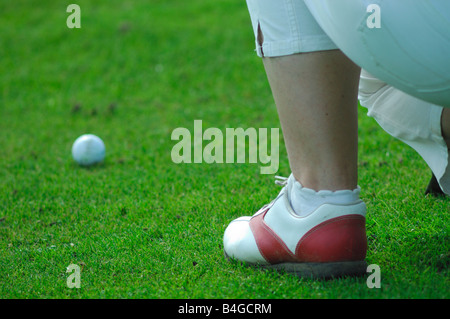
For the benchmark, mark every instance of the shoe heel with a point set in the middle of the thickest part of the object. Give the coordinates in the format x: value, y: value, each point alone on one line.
x: 339, y: 239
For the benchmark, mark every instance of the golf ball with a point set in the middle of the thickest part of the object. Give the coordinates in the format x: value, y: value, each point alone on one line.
x: 88, y: 149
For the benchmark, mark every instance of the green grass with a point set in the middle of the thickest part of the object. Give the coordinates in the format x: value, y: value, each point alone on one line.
x: 139, y: 225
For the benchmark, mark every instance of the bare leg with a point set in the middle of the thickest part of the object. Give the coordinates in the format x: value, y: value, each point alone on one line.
x: 316, y: 98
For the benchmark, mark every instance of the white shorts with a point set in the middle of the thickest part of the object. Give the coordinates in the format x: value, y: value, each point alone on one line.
x: 285, y: 27
x: 413, y: 121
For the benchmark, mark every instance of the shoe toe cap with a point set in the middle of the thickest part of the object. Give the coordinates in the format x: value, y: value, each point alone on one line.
x: 239, y: 243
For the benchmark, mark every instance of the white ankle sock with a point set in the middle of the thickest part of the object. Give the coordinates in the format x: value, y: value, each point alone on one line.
x: 305, y: 200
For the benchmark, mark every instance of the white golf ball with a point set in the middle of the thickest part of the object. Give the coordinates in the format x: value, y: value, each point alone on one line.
x: 88, y: 149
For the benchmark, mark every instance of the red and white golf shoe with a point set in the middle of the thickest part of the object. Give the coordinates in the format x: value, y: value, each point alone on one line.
x: 329, y: 242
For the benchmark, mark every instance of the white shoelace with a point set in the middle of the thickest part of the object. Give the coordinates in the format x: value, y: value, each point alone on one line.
x: 280, y: 180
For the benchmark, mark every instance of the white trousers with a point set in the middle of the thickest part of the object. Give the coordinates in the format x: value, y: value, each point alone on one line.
x: 286, y: 27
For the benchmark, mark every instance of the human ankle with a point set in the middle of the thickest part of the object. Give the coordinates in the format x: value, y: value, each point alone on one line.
x: 347, y: 180
x: 305, y: 200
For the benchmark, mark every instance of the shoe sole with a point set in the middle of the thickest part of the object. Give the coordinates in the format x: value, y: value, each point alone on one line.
x: 322, y: 270
x: 316, y: 270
